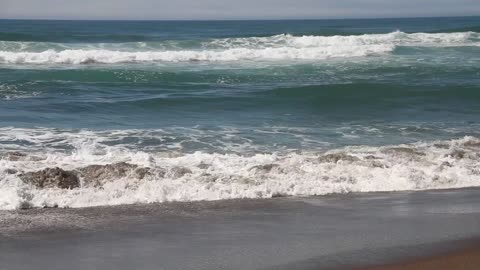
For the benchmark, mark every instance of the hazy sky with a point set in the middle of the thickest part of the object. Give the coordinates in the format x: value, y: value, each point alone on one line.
x: 233, y: 9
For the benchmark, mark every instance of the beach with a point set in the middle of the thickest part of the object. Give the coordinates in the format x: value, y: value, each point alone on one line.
x: 466, y: 259
x: 257, y: 144
x: 413, y: 230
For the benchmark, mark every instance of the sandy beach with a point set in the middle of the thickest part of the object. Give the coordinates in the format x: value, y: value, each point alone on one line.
x: 405, y: 230
x: 465, y: 259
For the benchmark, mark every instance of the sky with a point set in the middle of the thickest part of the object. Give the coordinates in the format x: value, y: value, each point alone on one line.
x: 233, y: 9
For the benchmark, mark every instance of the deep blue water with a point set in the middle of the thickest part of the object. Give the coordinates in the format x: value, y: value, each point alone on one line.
x: 240, y: 85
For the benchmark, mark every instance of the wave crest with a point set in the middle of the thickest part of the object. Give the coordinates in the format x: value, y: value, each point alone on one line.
x: 279, y: 47
x: 125, y: 177
x: 110, y: 57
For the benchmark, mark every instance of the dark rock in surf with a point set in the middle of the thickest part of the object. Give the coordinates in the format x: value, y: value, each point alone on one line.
x: 141, y: 173
x: 15, y: 156
x: 441, y: 145
x: 334, y: 158
x: 445, y: 165
x: 11, y: 171
x: 51, y: 178
x: 457, y: 154
x: 107, y: 171
x: 19, y: 156
x: 475, y: 143
x: 96, y: 175
x: 178, y: 172
x: 265, y: 168
x: 203, y: 166
x: 279, y: 195
x: 404, y: 151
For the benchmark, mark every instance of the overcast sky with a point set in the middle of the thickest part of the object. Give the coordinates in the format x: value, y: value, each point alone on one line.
x: 233, y: 9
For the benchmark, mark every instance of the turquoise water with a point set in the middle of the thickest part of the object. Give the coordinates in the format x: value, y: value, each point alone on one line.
x: 270, y: 84
x: 237, y: 95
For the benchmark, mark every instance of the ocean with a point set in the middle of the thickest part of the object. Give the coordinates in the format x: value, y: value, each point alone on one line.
x: 157, y: 111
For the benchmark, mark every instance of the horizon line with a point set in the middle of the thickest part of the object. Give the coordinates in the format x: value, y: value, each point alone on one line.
x: 245, y: 19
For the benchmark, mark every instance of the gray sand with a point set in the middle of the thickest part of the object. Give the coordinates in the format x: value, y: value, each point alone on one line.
x: 283, y: 233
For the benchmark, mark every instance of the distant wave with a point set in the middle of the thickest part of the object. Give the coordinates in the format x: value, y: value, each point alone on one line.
x: 40, y: 37
x: 116, y: 175
x: 148, y: 37
x: 274, y: 48
x: 459, y: 29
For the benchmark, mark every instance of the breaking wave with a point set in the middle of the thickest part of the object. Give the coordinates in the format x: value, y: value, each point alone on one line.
x: 88, y: 176
x: 274, y: 48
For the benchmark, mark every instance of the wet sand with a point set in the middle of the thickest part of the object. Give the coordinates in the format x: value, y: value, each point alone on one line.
x: 465, y: 259
x: 351, y: 231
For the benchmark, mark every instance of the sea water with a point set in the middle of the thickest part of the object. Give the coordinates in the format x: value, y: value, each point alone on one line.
x: 237, y: 109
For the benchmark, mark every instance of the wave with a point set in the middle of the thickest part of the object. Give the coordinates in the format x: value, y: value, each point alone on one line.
x: 72, y: 38
x: 279, y: 47
x: 110, y: 57
x: 42, y: 37
x: 88, y: 176
x: 459, y: 29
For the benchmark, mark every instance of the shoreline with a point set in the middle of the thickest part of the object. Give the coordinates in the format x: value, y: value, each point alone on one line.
x: 187, y: 208
x: 350, y: 231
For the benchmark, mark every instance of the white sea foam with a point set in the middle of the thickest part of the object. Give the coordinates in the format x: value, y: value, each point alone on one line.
x: 12, y: 91
x: 109, y: 57
x: 280, y: 47
x: 213, y: 176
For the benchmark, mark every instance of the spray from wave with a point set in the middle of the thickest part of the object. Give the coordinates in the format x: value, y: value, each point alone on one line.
x: 274, y: 48
x: 90, y: 176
